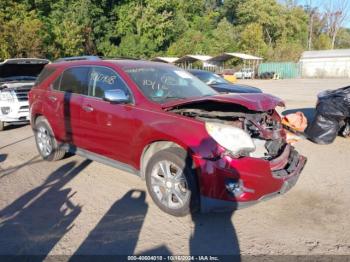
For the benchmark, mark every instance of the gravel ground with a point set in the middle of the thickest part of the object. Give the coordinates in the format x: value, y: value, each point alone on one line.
x: 75, y: 206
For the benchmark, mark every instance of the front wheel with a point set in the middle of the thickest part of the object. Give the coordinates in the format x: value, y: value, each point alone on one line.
x: 172, y: 183
x: 45, y: 140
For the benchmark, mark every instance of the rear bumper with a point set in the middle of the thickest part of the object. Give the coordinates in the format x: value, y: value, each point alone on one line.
x: 262, y: 179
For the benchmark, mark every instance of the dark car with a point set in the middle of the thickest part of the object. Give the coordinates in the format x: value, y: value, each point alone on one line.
x: 196, y: 148
x: 220, y: 84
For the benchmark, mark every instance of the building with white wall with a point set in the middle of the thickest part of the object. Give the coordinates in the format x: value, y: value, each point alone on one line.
x: 325, y: 63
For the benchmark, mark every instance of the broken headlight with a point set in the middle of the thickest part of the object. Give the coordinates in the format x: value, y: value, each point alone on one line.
x: 7, y: 96
x: 234, y: 139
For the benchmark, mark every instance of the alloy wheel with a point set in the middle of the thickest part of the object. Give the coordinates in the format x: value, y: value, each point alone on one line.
x: 169, y: 184
x: 44, y: 141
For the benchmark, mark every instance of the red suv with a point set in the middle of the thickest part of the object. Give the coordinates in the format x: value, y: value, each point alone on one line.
x: 195, y: 148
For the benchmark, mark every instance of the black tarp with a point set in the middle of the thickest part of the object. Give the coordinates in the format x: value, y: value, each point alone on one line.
x: 332, y: 116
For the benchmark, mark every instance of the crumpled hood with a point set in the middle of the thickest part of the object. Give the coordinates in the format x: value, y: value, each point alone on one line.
x: 252, y: 101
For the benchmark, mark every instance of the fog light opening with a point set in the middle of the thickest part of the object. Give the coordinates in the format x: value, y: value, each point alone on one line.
x: 237, y: 188
x: 5, y: 110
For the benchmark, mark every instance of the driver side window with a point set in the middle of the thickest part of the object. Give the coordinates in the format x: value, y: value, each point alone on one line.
x: 102, y: 79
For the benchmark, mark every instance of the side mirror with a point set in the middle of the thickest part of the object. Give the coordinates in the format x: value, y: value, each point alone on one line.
x: 116, y: 96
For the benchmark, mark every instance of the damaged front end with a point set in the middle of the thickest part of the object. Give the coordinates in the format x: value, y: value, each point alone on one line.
x: 264, y: 128
x: 254, y: 160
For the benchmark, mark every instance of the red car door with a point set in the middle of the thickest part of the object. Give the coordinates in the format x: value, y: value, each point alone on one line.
x: 65, y: 104
x: 107, y: 128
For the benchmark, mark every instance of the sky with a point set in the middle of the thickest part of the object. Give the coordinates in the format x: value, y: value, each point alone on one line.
x: 321, y: 5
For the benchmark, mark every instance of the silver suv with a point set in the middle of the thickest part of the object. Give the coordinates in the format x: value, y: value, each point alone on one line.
x: 17, y: 77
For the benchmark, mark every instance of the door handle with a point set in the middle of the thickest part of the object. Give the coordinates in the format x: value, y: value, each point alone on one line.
x: 53, y: 98
x: 88, y: 108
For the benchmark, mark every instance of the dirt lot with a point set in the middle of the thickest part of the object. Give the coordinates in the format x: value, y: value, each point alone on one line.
x: 75, y: 206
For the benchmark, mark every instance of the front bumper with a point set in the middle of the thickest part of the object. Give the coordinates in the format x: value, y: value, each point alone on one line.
x: 263, y: 179
x: 15, y: 113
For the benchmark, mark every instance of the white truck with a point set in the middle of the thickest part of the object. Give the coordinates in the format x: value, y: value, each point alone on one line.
x: 245, y: 73
x: 17, y: 77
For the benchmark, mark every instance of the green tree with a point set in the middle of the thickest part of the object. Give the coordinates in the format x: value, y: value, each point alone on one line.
x: 191, y: 42
x: 278, y: 30
x: 224, y: 38
x: 21, y: 32
x: 343, y: 39
x: 229, y: 10
x: 295, y: 23
x: 266, y: 13
x: 75, y: 28
x: 285, y: 51
x: 323, y: 42
x: 252, y: 40
x: 152, y: 23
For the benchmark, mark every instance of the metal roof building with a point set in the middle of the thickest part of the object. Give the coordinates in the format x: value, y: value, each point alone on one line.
x: 188, y: 60
x: 326, y: 63
x: 165, y: 59
x: 227, y: 56
x: 249, y: 61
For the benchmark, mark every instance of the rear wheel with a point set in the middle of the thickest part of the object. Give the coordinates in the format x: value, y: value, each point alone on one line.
x: 171, y: 182
x: 45, y: 140
x: 2, y: 126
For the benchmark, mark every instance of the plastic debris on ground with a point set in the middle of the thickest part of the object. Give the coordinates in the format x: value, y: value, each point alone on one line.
x: 294, y: 124
x: 297, y: 121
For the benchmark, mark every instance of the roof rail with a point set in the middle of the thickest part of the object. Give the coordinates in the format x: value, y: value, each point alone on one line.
x: 124, y: 57
x: 78, y: 58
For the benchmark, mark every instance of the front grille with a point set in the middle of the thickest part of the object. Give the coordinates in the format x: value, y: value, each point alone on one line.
x: 24, y: 108
x: 22, y: 92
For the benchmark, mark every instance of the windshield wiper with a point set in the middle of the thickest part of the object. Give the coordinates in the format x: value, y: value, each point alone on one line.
x: 173, y: 97
x: 163, y: 98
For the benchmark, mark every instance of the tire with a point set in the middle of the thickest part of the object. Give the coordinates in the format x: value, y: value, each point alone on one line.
x: 176, y: 191
x: 2, y: 126
x: 47, y: 145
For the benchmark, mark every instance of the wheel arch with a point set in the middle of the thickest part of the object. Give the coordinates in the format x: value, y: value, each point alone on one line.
x: 153, y: 147
x: 35, y: 117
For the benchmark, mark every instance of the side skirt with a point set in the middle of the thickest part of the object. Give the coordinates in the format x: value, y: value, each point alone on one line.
x: 102, y: 159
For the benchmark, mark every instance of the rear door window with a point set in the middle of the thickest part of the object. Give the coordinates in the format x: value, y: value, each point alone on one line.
x: 75, y: 80
x: 102, y: 79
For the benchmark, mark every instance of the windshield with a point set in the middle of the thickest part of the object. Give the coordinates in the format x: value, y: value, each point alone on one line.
x: 210, y: 78
x: 163, y: 83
